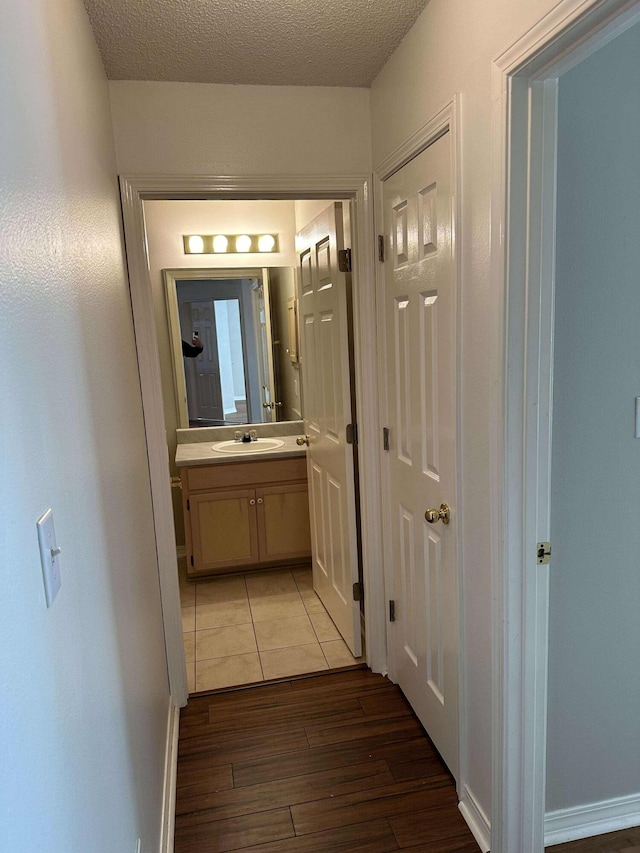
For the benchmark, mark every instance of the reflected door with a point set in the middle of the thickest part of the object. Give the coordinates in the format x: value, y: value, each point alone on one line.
x: 420, y: 321
x: 202, y: 374
x: 216, y: 380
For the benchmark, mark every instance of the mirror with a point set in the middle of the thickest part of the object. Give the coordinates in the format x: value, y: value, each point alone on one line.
x: 234, y: 345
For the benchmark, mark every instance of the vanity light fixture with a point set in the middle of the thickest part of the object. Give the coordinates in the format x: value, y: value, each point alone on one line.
x: 227, y: 244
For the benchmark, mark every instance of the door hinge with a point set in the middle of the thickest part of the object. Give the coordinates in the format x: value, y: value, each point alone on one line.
x: 344, y: 260
x: 188, y: 505
x: 357, y: 591
x: 544, y: 553
x: 381, y: 248
x: 392, y: 611
x: 191, y: 559
x: 385, y: 438
x: 352, y: 433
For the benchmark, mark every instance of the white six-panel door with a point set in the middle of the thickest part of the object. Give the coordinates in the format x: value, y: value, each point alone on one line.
x: 203, y: 373
x: 324, y: 344
x: 420, y: 312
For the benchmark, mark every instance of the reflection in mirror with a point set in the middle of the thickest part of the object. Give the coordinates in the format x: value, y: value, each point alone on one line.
x: 234, y: 346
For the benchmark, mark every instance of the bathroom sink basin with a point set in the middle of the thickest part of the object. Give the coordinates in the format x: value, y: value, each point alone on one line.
x: 249, y: 447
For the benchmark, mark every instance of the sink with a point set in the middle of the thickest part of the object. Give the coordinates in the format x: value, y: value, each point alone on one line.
x: 261, y: 444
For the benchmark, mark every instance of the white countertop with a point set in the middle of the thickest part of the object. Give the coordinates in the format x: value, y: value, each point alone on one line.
x: 202, y: 453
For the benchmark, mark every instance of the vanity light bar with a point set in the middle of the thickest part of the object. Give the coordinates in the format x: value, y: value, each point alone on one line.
x: 228, y: 244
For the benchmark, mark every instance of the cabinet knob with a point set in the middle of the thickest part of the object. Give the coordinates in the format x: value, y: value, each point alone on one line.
x: 260, y: 501
x: 252, y: 502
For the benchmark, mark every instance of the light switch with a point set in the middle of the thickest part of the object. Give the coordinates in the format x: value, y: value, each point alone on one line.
x: 49, y: 556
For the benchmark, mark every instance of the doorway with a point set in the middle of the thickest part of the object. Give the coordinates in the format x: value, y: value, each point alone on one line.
x: 553, y: 402
x: 236, y: 638
x: 595, y: 449
x: 134, y: 193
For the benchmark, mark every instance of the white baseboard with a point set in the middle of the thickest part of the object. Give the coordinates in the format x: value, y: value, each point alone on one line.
x: 476, y: 819
x: 170, y: 773
x: 591, y: 819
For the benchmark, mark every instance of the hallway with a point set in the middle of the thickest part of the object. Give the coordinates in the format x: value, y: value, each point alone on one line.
x: 322, y: 764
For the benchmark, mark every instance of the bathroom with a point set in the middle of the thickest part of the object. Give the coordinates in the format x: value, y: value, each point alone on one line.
x: 242, y: 627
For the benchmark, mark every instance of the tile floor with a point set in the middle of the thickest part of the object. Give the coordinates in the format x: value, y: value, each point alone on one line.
x: 246, y: 628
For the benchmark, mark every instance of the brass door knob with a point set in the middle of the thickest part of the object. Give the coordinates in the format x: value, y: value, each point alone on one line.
x: 443, y: 514
x: 302, y: 440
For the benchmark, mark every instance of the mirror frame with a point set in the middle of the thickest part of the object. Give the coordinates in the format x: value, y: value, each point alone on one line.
x: 171, y: 278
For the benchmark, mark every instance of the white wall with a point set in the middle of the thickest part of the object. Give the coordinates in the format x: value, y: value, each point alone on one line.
x: 308, y: 209
x: 594, y: 626
x: 167, y: 221
x: 449, y: 50
x: 214, y: 129
x: 84, y: 687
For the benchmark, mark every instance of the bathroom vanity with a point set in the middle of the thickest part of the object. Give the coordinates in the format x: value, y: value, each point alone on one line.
x: 244, y: 510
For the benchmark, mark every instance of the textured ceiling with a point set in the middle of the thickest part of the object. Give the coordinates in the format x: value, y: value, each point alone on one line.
x: 266, y: 42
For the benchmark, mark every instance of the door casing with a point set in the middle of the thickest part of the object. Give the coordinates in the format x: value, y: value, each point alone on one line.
x: 134, y: 191
x: 523, y: 213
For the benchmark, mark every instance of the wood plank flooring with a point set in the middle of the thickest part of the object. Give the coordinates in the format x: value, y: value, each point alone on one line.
x: 625, y: 841
x: 334, y: 763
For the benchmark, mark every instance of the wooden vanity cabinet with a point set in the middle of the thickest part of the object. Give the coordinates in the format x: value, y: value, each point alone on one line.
x: 246, y: 515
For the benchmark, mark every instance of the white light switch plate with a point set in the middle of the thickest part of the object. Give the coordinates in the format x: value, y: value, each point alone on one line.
x: 49, y: 556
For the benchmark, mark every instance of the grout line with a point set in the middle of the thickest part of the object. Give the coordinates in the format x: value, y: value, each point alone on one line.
x: 314, y: 630
x: 253, y: 625
x: 324, y: 655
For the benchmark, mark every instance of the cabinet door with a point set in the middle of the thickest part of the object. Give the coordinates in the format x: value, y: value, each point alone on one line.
x: 283, y: 522
x: 224, y: 529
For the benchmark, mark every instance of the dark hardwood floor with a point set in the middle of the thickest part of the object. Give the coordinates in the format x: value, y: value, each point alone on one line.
x: 625, y: 841
x: 326, y: 764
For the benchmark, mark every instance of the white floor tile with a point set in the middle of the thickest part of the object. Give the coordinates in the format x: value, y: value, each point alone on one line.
x: 284, y: 633
x: 227, y: 672
x: 280, y: 663
x: 247, y: 628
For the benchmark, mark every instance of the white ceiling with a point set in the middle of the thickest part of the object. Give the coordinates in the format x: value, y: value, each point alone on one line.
x: 266, y: 42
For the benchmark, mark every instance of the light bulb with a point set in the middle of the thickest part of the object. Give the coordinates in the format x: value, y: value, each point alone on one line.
x: 266, y: 243
x: 196, y: 244
x: 243, y: 243
x: 220, y: 243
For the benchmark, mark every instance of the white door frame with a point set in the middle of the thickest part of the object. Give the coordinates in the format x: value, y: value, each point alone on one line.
x: 523, y: 235
x: 447, y: 119
x: 134, y: 191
